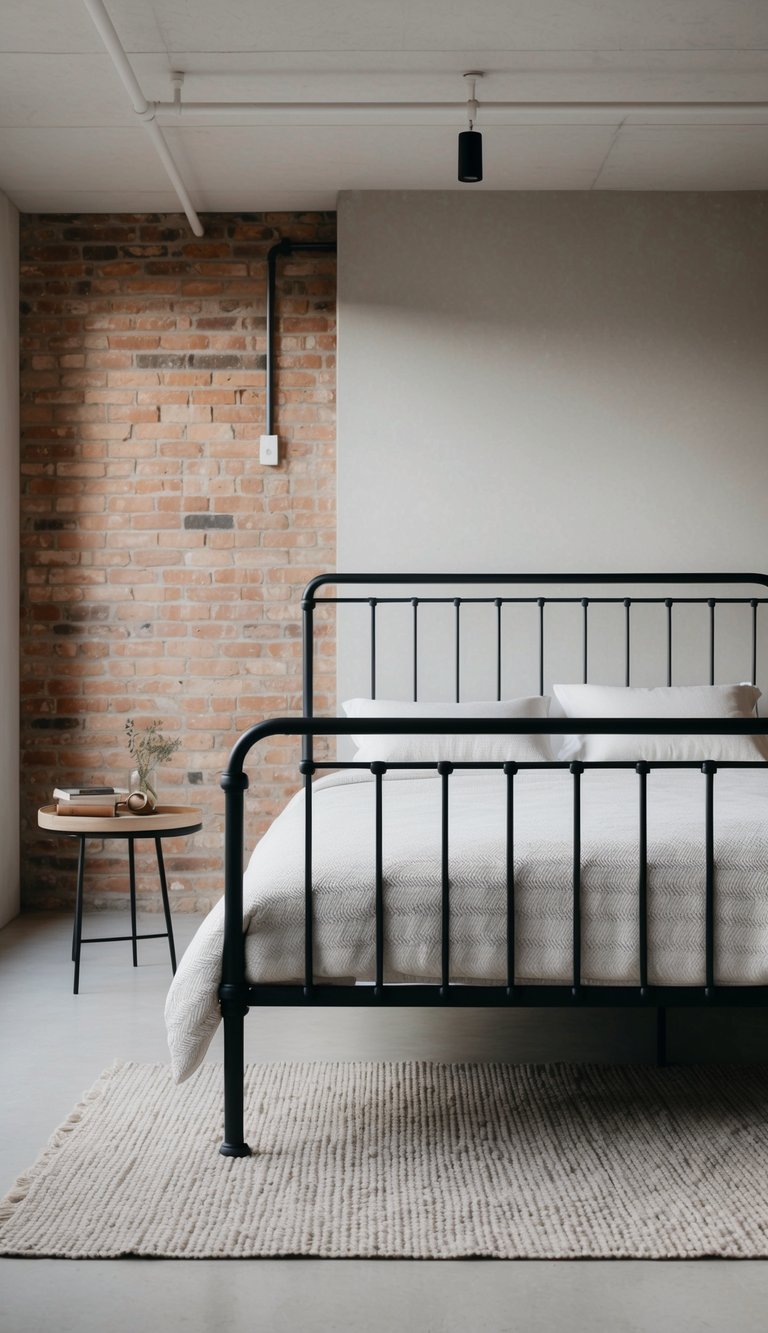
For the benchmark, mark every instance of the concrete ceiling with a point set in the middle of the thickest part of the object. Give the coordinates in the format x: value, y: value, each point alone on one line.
x: 69, y: 140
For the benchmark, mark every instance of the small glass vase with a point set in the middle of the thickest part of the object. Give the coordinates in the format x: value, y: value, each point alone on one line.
x: 143, y: 780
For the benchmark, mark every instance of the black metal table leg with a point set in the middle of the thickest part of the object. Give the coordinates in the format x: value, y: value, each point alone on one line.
x: 78, y: 932
x: 132, y: 874
x: 166, y: 904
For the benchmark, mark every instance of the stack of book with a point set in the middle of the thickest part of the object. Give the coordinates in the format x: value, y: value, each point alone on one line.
x: 96, y: 802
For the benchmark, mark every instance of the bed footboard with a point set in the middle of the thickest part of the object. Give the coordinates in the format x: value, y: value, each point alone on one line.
x: 237, y: 996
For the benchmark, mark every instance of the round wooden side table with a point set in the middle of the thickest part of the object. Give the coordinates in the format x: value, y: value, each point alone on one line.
x: 167, y: 821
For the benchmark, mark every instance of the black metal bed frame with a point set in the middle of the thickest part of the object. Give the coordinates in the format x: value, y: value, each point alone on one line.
x: 236, y: 995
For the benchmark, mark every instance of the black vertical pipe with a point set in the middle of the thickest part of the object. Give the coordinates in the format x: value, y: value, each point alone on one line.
x: 668, y: 604
x: 585, y: 639
x: 753, y: 604
x: 711, y: 604
x: 627, y: 605
x: 283, y: 247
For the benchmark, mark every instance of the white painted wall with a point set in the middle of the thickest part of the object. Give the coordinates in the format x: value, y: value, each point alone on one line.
x: 552, y: 381
x: 9, y: 560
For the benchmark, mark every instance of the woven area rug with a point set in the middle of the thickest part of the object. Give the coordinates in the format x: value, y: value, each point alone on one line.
x: 407, y: 1160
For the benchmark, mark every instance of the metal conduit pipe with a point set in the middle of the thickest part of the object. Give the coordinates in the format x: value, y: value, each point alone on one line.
x: 727, y: 111
x: 144, y: 110
x: 283, y: 247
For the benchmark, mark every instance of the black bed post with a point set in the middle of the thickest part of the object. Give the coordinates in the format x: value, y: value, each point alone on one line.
x: 308, y: 665
x: 233, y: 990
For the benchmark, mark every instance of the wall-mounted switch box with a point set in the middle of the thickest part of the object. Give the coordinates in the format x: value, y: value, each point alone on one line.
x: 268, y: 450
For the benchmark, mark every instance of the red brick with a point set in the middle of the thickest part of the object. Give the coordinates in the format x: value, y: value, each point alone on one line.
x: 200, y: 627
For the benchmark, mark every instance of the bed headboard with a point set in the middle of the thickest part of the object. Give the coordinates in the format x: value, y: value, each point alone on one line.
x: 725, y: 608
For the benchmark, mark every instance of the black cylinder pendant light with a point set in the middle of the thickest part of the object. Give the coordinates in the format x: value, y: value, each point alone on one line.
x: 471, y: 141
x: 470, y: 157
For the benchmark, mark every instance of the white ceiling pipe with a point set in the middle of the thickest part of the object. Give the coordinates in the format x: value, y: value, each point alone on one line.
x: 174, y: 176
x: 726, y: 111
x: 108, y: 35
x: 144, y: 110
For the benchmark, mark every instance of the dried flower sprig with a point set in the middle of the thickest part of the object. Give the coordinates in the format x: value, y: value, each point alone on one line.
x: 149, y: 749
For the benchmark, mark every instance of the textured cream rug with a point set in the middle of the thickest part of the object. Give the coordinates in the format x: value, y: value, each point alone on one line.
x: 417, y: 1159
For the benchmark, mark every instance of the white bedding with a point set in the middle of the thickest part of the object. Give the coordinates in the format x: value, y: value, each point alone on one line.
x: 344, y: 886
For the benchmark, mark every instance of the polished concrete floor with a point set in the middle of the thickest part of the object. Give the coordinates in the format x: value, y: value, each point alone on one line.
x: 53, y: 1045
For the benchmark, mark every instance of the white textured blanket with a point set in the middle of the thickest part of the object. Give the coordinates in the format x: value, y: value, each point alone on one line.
x: 343, y: 878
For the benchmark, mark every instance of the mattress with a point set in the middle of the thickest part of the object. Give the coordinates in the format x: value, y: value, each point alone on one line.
x: 343, y: 883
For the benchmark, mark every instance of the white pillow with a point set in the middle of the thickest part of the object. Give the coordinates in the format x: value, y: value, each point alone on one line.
x: 727, y: 701
x: 475, y: 747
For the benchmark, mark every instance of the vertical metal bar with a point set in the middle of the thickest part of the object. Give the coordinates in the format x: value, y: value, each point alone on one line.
x: 283, y: 247
x: 74, y: 925
x: 627, y: 606
x: 753, y: 604
x: 308, y: 770
x: 308, y: 661
x: 270, y: 336
x: 709, y: 769
x: 444, y: 769
x: 643, y: 771
x: 457, y: 604
x: 585, y: 640
x: 711, y: 604
x: 234, y: 1144
x: 540, y: 602
x: 415, y: 605
x: 498, y: 647
x: 234, y: 1004
x: 78, y: 913
x: 373, y: 604
x: 510, y: 770
x: 576, y: 769
x: 378, y: 770
x: 166, y: 904
x: 132, y: 879
x: 668, y: 604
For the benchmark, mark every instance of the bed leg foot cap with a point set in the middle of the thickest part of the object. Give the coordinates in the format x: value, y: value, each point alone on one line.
x: 235, y: 1150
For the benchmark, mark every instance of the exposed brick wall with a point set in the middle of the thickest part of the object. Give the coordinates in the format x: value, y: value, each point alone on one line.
x: 162, y: 564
